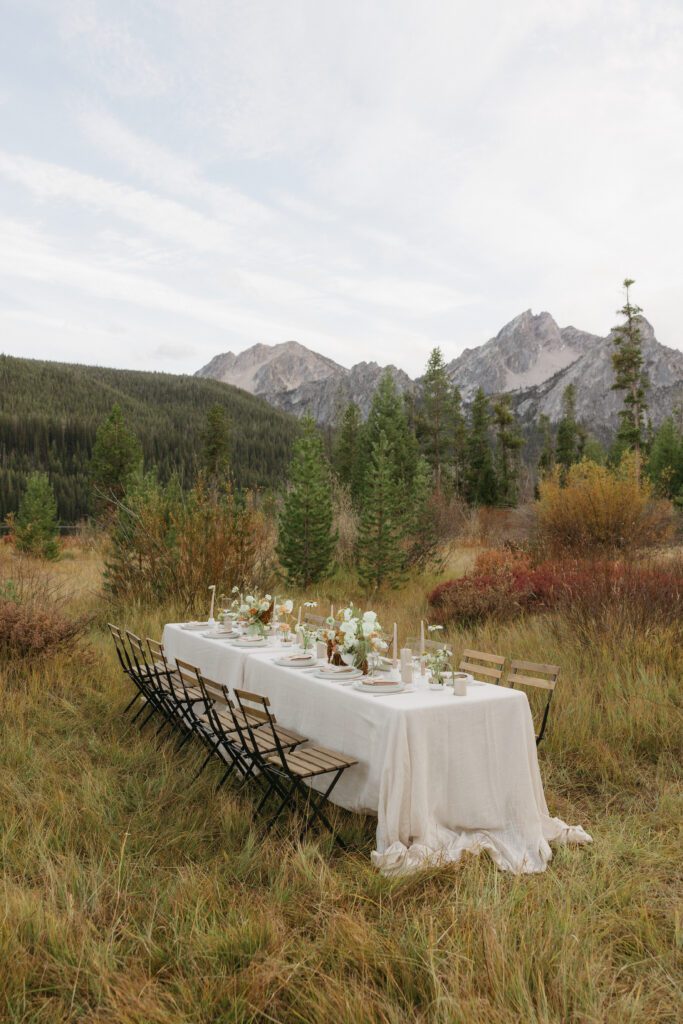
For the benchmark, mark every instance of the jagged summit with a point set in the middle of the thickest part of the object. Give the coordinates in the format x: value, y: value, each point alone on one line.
x: 531, y: 357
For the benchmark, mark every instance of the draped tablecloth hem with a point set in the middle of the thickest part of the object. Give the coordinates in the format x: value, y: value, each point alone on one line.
x: 399, y: 859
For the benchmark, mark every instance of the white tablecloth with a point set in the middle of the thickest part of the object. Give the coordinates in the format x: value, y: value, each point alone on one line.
x: 444, y: 774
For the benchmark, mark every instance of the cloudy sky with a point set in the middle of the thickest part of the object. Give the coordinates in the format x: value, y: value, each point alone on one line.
x: 371, y: 177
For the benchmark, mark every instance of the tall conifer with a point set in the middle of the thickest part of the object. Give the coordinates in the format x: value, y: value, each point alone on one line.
x: 216, y: 445
x: 437, y: 414
x: 508, y: 444
x: 117, y: 454
x: 630, y: 377
x: 306, y: 537
x: 481, y: 484
x: 380, y: 555
x: 36, y: 526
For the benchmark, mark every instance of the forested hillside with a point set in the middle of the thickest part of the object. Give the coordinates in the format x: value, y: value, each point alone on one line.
x: 49, y: 414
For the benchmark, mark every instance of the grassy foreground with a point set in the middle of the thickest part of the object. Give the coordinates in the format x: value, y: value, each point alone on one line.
x: 129, y: 893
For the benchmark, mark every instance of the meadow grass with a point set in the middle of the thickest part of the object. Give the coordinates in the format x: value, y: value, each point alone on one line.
x: 131, y: 893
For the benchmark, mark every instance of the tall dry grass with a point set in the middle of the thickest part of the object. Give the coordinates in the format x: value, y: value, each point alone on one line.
x: 131, y: 893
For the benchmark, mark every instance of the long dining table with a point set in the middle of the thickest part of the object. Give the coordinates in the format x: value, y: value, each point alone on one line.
x: 443, y: 774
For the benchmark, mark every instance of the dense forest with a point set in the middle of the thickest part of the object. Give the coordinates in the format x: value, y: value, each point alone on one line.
x: 50, y: 412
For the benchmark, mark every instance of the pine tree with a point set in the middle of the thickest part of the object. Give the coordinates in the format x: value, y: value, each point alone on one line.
x: 347, y: 452
x: 630, y: 377
x: 665, y: 462
x: 458, y: 441
x: 388, y: 416
x: 36, y: 525
x: 306, y: 537
x: 508, y: 444
x: 424, y: 538
x: 569, y: 438
x: 437, y: 410
x: 380, y: 555
x: 116, y: 456
x: 481, y: 484
x: 216, y: 445
x: 546, y: 459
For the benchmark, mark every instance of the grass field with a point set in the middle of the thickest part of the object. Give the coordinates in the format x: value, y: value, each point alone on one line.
x: 130, y: 893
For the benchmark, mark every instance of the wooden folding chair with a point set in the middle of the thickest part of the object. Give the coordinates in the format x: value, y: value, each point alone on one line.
x: 156, y: 697
x: 487, y: 668
x: 539, y: 677
x: 128, y: 667
x: 288, y: 770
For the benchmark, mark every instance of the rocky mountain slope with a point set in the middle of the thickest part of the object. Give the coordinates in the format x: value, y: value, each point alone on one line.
x: 532, y: 358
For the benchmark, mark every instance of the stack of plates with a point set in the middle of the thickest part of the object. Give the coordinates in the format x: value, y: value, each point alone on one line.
x: 219, y: 633
x: 250, y: 641
x: 193, y: 625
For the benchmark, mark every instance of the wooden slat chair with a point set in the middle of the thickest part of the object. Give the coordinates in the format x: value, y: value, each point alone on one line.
x: 189, y: 701
x: 288, y: 770
x: 537, y: 676
x: 158, y: 700
x: 128, y: 667
x: 487, y: 668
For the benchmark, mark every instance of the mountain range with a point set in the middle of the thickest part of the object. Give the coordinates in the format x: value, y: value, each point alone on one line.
x: 531, y: 358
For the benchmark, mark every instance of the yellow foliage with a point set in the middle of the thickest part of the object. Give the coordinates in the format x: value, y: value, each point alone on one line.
x: 599, y: 509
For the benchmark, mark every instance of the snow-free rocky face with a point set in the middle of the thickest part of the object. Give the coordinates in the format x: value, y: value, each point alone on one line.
x: 531, y: 358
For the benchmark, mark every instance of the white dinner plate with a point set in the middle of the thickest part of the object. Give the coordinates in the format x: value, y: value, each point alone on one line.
x: 296, y: 662
x: 219, y: 634
x: 376, y: 691
x: 249, y: 642
x: 193, y: 625
x: 338, y: 677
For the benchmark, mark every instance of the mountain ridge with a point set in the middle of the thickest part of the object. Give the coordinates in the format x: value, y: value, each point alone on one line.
x: 531, y: 358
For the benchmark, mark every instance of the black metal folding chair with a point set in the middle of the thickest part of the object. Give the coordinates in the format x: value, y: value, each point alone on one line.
x: 128, y: 667
x: 159, y: 697
x: 289, y: 770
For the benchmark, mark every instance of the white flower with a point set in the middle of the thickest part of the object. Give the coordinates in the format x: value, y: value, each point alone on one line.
x: 249, y: 599
x: 287, y: 607
x: 268, y: 598
x: 235, y: 590
x: 310, y: 604
x: 434, y: 629
x: 379, y: 644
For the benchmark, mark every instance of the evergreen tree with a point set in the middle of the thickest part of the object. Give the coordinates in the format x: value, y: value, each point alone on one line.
x: 665, y: 462
x: 481, y: 484
x: 546, y: 460
x: 216, y: 445
x: 116, y: 456
x: 458, y: 440
x: 424, y: 539
x: 388, y: 416
x: 569, y: 435
x: 348, y: 452
x: 630, y: 377
x: 508, y: 444
x: 306, y: 538
x: 437, y: 410
x: 36, y: 527
x: 380, y: 555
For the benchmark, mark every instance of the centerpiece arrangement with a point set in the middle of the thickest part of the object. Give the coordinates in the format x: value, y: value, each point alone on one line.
x: 255, y: 612
x: 359, y: 639
x: 439, y: 665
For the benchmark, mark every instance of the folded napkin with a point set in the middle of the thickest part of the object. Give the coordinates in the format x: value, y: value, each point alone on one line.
x: 367, y: 681
x: 337, y: 669
x: 298, y: 657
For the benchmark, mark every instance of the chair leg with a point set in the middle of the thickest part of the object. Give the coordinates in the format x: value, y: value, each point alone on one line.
x: 130, y: 703
x: 316, y: 812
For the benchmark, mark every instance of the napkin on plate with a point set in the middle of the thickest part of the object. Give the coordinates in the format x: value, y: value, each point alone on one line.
x: 337, y: 669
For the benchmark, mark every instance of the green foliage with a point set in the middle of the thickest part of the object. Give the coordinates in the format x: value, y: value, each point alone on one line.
x: 422, y: 526
x: 170, y: 545
x: 630, y: 374
x: 306, y: 537
x: 380, y: 554
x: 665, y: 463
x: 50, y: 412
x: 36, y: 527
x: 546, y: 459
x: 216, y: 445
x: 388, y: 417
x: 347, y: 455
x: 436, y: 420
x: 508, y: 444
x: 480, y: 480
x: 116, y: 456
x: 570, y: 437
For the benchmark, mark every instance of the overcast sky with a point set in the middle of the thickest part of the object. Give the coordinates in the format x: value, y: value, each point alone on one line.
x: 371, y: 177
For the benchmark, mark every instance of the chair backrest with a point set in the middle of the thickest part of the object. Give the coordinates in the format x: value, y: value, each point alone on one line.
x: 538, y: 676
x: 533, y: 673
x: 413, y: 642
x: 139, y: 655
x: 488, y: 668
x: 156, y: 650
x: 188, y: 676
x: 256, y: 708
x: 120, y: 644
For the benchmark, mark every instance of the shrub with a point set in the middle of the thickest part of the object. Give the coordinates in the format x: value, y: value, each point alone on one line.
x: 502, y: 591
x: 34, y: 620
x: 170, y: 546
x: 600, y: 510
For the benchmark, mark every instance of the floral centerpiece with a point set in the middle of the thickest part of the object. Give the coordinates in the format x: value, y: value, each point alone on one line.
x: 360, y: 638
x: 281, y: 613
x: 255, y: 612
x: 439, y: 663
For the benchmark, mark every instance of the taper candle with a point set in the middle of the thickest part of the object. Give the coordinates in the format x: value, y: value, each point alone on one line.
x: 422, y: 637
x: 395, y: 650
x: 212, y: 588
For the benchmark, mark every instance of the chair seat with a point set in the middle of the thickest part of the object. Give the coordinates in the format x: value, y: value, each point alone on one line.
x: 306, y: 762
